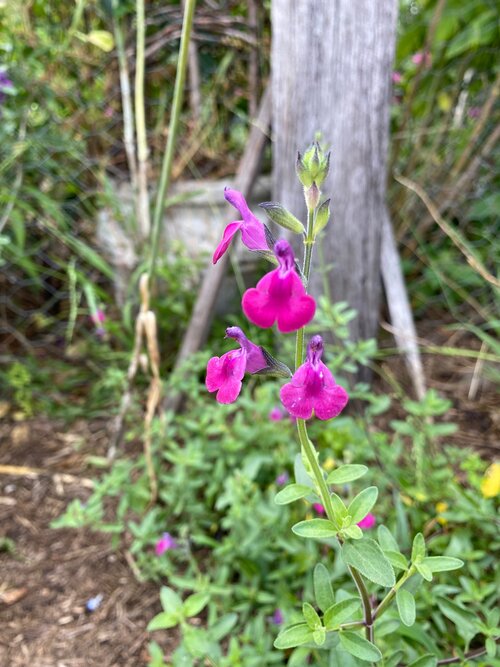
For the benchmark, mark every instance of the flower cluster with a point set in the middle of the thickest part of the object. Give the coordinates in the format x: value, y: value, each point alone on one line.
x: 280, y: 298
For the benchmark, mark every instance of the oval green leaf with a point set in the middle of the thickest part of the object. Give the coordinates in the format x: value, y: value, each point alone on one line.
x: 296, y: 635
x: 359, y: 647
x: 347, y: 473
x: 367, y: 557
x: 317, y: 528
x: 291, y: 493
x: 362, y: 504
x: 406, y: 606
x: 323, y: 592
x: 340, y: 612
x: 442, y: 563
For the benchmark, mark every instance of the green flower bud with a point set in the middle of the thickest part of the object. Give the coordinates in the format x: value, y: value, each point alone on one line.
x: 312, y: 195
x: 278, y: 214
x: 322, y: 217
x: 303, y: 171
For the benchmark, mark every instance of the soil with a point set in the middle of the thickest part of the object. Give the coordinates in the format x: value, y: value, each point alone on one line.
x: 51, y: 574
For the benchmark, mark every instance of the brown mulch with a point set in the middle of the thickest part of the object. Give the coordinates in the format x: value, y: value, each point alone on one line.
x: 47, y: 581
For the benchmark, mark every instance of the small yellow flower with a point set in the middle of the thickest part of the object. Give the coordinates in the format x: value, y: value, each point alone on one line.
x: 490, y: 484
x: 329, y: 464
x: 441, y: 507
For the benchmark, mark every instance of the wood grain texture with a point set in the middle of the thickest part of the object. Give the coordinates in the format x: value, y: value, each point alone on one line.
x: 331, y: 72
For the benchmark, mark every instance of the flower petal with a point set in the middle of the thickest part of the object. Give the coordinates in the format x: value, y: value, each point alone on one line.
x: 256, y: 305
x: 215, y: 376
x: 330, y: 402
x: 296, y: 313
x: 229, y: 232
x: 296, y: 401
x: 253, y: 234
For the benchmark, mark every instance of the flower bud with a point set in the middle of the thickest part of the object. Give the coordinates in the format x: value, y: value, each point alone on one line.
x: 278, y: 214
x: 303, y: 171
x: 312, y: 195
x: 322, y: 217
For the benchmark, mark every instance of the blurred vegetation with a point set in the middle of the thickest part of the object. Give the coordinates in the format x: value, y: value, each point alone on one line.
x: 60, y: 149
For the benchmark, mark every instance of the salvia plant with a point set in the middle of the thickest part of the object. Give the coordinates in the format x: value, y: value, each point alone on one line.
x: 382, y: 575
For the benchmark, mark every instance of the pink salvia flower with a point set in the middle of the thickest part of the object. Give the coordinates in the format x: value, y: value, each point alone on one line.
x: 282, y: 479
x: 280, y: 296
x: 368, y: 522
x: 225, y: 373
x: 397, y: 77
x: 313, y: 389
x: 165, y: 543
x: 276, y: 414
x: 318, y: 508
x: 253, y: 231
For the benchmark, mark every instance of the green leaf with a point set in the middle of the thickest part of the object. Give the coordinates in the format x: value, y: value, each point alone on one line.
x: 491, y: 647
x: 427, y: 660
x: 291, y: 493
x: 424, y: 571
x: 394, y: 659
x: 295, y: 635
x: 406, y: 606
x: 442, y: 563
x: 456, y: 613
x: 386, y: 539
x: 102, y: 39
x: 317, y: 528
x: 359, y: 647
x: 323, y: 592
x: 362, y: 504
x: 170, y: 601
x: 347, y: 473
x: 367, y: 557
x: 163, y: 620
x: 319, y: 636
x: 354, y: 532
x: 339, y: 508
x: 340, y: 612
x: 311, y: 616
x: 396, y: 559
x: 418, y: 548
x: 195, y: 603
x: 223, y: 626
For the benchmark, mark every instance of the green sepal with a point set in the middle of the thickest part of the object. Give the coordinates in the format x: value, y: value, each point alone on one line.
x: 322, y: 217
x: 279, y: 214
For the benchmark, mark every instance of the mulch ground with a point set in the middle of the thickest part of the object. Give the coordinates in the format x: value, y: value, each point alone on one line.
x: 47, y: 581
x: 51, y: 574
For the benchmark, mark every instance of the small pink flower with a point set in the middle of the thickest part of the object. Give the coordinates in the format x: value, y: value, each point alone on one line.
x: 282, y: 479
x: 280, y: 296
x: 98, y: 317
x: 397, y: 77
x: 313, y: 388
x: 368, y: 522
x: 474, y: 112
x: 318, y: 507
x: 421, y: 57
x: 165, y: 543
x: 253, y: 232
x: 276, y: 414
x: 225, y: 373
x: 109, y: 112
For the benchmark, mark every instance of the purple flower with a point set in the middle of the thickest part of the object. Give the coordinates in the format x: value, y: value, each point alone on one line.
x: 474, y: 112
x: 282, y: 479
x: 5, y: 82
x: 280, y: 296
x: 277, y: 618
x: 165, y: 543
x: 276, y: 414
x: 313, y: 389
x: 368, y: 522
x: 225, y: 373
x: 253, y: 231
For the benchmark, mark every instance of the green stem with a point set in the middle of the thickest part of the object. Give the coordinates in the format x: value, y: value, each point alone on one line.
x: 308, y: 446
x: 143, y: 222
x: 383, y: 606
x: 172, y: 133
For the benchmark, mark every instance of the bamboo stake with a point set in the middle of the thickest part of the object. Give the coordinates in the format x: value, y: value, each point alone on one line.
x: 143, y: 222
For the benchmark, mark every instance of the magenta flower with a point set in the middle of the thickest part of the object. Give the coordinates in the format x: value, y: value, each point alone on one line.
x: 421, y: 57
x: 225, y: 373
x: 368, y: 522
x: 166, y: 543
x: 280, y: 296
x: 253, y: 232
x: 397, y: 77
x: 313, y: 388
x: 282, y: 479
x: 318, y: 507
x: 474, y: 112
x: 276, y: 414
